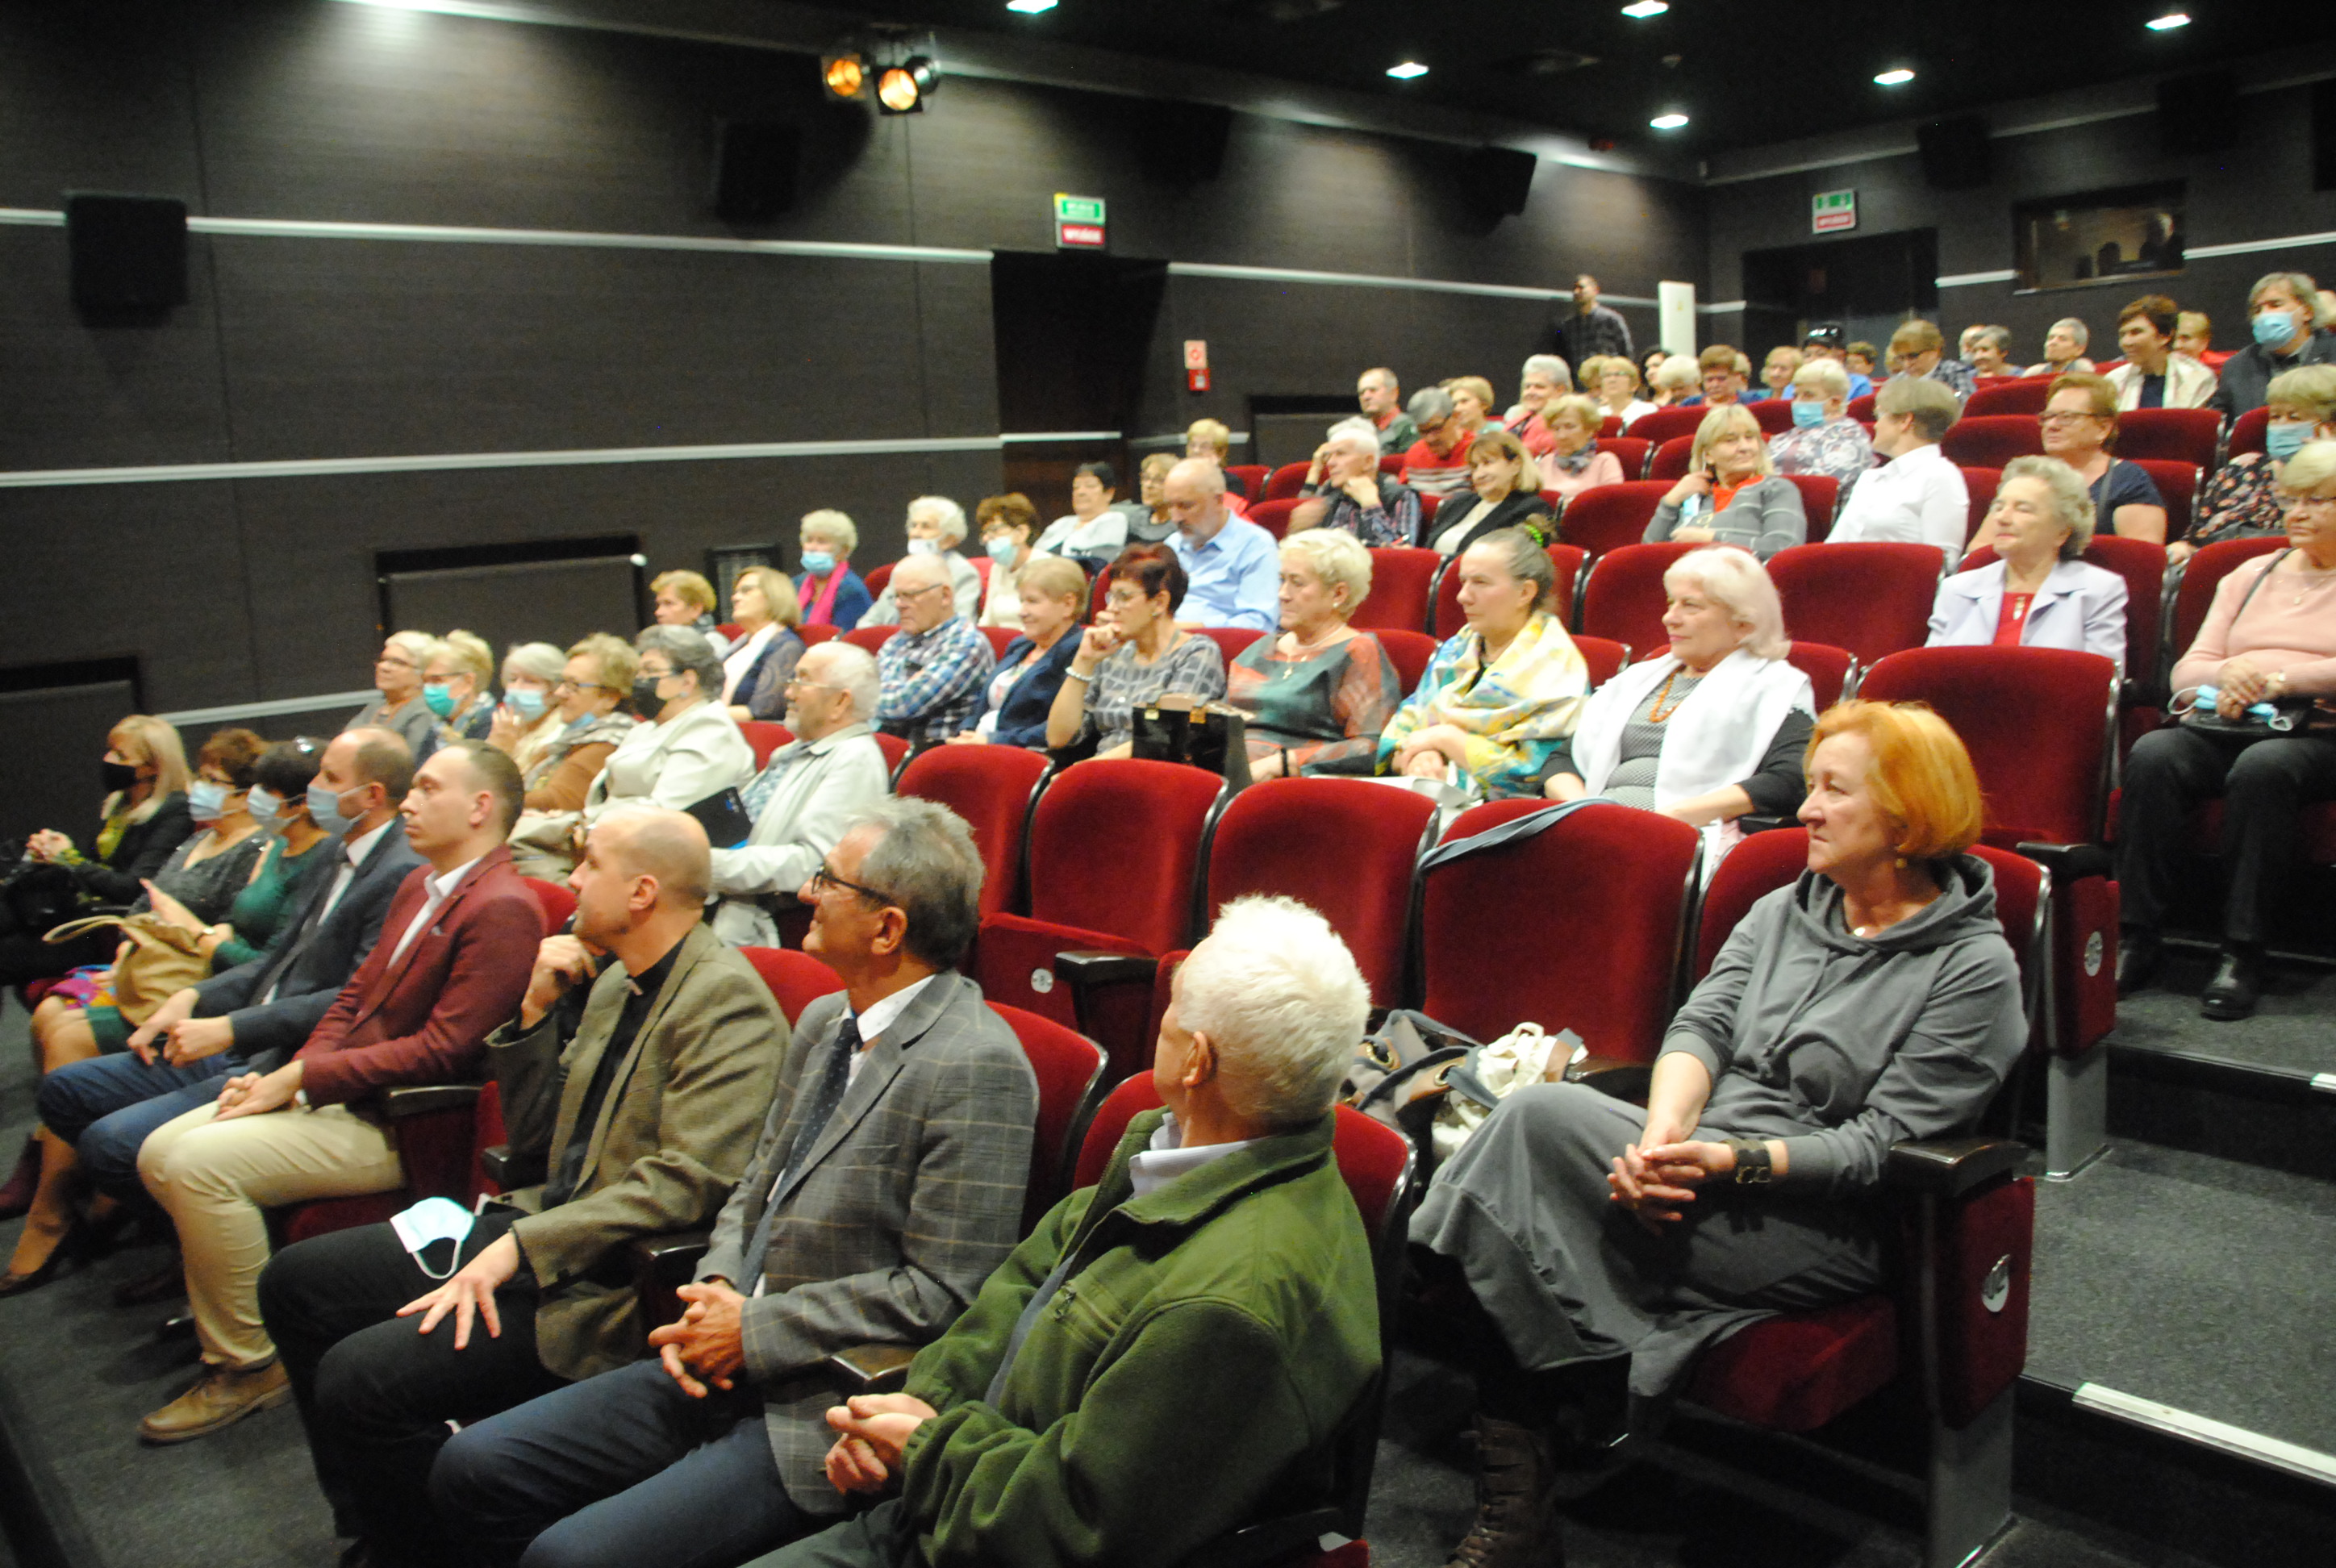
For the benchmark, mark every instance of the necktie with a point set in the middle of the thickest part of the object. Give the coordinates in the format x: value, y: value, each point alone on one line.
x: 830, y: 1095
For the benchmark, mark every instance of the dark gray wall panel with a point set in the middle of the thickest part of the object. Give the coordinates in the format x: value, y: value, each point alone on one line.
x: 96, y: 98
x: 959, y: 364
x: 54, y: 783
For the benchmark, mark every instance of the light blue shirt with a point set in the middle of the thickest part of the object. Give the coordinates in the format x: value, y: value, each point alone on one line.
x: 1234, y: 580
x: 1167, y: 1158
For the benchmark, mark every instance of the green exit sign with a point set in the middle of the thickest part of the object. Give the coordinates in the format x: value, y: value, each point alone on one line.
x: 1077, y: 209
x: 1833, y: 210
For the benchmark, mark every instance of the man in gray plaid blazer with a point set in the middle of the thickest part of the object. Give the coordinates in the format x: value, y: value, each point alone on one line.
x: 887, y: 1185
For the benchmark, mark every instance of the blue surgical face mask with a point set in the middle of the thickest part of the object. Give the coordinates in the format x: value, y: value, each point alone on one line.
x: 207, y: 801
x: 1807, y: 412
x: 432, y: 1219
x: 2284, y: 438
x: 2274, y: 327
x: 325, y: 811
x: 526, y: 703
x: 818, y: 562
x: 1001, y: 547
x: 266, y: 809
x: 438, y: 698
x: 924, y: 547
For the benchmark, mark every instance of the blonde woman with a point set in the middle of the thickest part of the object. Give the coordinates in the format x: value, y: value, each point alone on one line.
x: 1731, y: 495
x: 458, y: 688
x: 754, y: 673
x: 1317, y: 695
x: 1571, y: 462
x: 1614, y: 382
x: 1676, y: 380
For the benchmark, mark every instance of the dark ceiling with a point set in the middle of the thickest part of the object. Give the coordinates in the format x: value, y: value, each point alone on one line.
x: 1745, y: 72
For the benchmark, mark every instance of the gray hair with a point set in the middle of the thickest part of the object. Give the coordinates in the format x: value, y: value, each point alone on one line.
x: 1738, y: 583
x: 947, y: 513
x: 1824, y: 376
x: 1550, y: 368
x: 1429, y: 402
x: 1679, y: 371
x: 536, y: 660
x: 1358, y: 432
x: 2299, y: 284
x: 687, y: 649
x: 2077, y: 329
x: 1338, y: 557
x: 2072, y: 499
x: 926, y: 864
x: 1998, y: 335
x: 852, y: 669
x: 1933, y: 404
x: 1280, y: 998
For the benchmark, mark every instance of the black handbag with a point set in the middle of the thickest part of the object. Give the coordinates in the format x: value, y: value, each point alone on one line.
x: 726, y: 819
x: 1214, y: 737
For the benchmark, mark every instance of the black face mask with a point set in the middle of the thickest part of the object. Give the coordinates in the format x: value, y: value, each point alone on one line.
x: 116, y: 776
x: 645, y: 699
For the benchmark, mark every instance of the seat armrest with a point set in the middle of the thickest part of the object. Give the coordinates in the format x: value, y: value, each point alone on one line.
x: 494, y: 1163
x: 1267, y: 1541
x: 1087, y: 967
x: 662, y: 1264
x: 425, y: 1099
x: 1950, y: 1167
x: 1752, y: 822
x: 1612, y: 1076
x: 871, y: 1368
x: 2069, y: 863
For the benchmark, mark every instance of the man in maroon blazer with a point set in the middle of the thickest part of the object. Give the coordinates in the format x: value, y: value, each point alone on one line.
x: 453, y: 960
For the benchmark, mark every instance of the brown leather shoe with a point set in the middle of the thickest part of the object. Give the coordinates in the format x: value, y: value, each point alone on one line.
x: 1516, y: 1501
x: 225, y: 1396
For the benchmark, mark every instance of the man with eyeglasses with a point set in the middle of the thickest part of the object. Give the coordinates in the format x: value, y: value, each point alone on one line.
x: 1918, y: 349
x: 810, y: 791
x: 932, y: 670
x: 1438, y: 462
x: 886, y: 1186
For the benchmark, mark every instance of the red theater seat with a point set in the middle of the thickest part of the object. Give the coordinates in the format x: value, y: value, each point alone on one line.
x: 2187, y: 435
x: 1612, y: 515
x: 795, y: 980
x: 1871, y: 600
x: 1409, y: 652
x: 764, y: 738
x: 1993, y: 440
x: 994, y: 788
x: 1402, y: 581
x: 1623, y: 596
x: 2019, y: 395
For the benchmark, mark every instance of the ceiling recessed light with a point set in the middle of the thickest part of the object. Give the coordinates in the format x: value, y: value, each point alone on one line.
x: 1030, y: 8
x: 1898, y: 78
x: 2169, y: 22
x: 1642, y: 9
x: 1668, y: 122
x: 1407, y: 71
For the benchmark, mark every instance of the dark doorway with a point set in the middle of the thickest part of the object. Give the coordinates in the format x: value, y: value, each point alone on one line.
x: 1071, y: 333
x: 1866, y: 285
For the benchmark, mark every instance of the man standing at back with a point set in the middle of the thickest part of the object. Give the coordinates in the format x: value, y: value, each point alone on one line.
x: 453, y: 960
x: 1232, y: 567
x: 1592, y: 328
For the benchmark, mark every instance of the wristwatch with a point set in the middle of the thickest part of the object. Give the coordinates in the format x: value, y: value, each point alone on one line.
x: 1754, y: 1167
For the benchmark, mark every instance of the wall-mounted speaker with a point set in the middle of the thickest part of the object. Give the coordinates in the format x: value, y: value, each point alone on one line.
x: 2198, y: 113
x: 1498, y: 179
x: 756, y: 165
x: 1183, y: 143
x: 127, y: 253
x: 1955, y: 153
x: 2323, y: 135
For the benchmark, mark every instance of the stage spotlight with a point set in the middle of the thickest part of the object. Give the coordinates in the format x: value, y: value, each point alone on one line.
x: 845, y: 71
x: 902, y: 89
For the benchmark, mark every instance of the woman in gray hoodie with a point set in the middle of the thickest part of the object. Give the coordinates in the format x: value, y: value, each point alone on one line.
x: 1873, y: 1001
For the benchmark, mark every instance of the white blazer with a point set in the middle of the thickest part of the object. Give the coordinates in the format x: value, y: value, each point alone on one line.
x: 823, y: 785
x: 2080, y: 607
x: 2188, y: 383
x: 673, y: 766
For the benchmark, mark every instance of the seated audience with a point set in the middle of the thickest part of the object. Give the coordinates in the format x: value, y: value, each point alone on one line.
x: 1570, y: 461
x: 1917, y: 496
x: 755, y: 671
x: 870, y: 1212
x: 1096, y: 531
x: 936, y: 527
x: 811, y: 790
x: 1777, y: 374
x: 1504, y: 492
x: 2153, y: 375
x: 1717, y: 376
x: 1544, y: 377
x: 1231, y: 572
x: 1652, y: 360
x: 1823, y: 438
x: 1134, y: 655
x: 1380, y: 396
x: 1673, y: 384
x: 456, y: 689
x: 1917, y: 350
x: 1859, y: 359
x: 2064, y: 350
x: 1009, y: 527
x: 397, y: 677
x: 687, y: 747
x: 1344, y: 490
x: 1712, y: 728
x: 2193, y: 335
x: 2241, y: 500
x: 2269, y: 638
x: 1589, y: 328
x: 1148, y: 521
x: 1987, y: 350
x: 1731, y: 493
x: 252, y: 1017
x: 1053, y: 595
x: 671, y: 1045
x: 1824, y: 343
x: 277, y: 802
x: 1504, y: 689
x: 827, y: 591
x: 527, y: 721
x: 1438, y: 462
x: 1318, y: 695
x: 1472, y: 404
x: 2079, y: 424
x: 1614, y: 382
x: 417, y: 1011
x: 1224, y: 1332
x: 1883, y: 976
x: 685, y: 598
x: 2282, y: 316
x: 2039, y: 591
x: 589, y: 719
x: 933, y: 669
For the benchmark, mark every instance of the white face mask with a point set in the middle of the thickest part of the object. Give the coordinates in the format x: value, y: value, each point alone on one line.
x: 432, y: 1219
x: 924, y: 547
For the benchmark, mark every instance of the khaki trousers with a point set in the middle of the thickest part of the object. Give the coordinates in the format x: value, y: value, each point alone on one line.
x: 216, y: 1177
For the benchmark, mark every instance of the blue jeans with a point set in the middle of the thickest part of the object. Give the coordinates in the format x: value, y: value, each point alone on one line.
x: 106, y: 1105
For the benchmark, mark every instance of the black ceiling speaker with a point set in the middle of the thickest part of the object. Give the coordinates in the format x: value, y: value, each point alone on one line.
x: 2323, y: 135
x: 1956, y: 155
x: 1181, y: 143
x: 128, y: 253
x: 1497, y: 179
x: 757, y: 164
x: 2198, y: 113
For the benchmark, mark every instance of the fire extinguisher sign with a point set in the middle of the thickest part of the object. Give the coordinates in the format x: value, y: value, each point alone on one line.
x: 1196, y: 365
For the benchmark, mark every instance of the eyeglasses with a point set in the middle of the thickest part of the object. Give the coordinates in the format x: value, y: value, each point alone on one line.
x: 822, y: 879
x: 797, y: 682
x: 394, y: 663
x: 900, y: 593
x: 2064, y: 418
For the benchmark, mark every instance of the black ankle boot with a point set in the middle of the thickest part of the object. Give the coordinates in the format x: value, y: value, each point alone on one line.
x: 1516, y: 1501
x: 2237, y: 984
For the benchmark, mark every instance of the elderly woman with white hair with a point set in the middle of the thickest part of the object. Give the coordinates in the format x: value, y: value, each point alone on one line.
x: 527, y: 720
x: 1712, y: 729
x: 1317, y: 695
x: 458, y: 688
x: 1544, y: 377
x: 1823, y: 438
x: 1344, y: 491
x: 1569, y: 461
x: 1678, y: 378
x: 2064, y: 349
x: 2037, y: 593
x: 828, y: 591
x: 937, y: 526
x: 397, y: 677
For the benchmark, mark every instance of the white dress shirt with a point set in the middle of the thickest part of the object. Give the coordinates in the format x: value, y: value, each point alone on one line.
x: 1916, y: 498
x: 433, y: 895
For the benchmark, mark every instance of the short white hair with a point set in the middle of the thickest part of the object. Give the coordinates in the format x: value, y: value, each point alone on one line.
x: 851, y: 670
x: 1338, y: 557
x: 1358, y: 432
x: 948, y: 514
x: 1280, y: 998
x: 1738, y: 583
x: 1677, y: 372
x: 1550, y: 368
x: 833, y: 526
x: 1823, y: 375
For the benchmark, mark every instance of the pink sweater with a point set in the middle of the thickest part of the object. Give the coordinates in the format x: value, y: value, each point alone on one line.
x: 2275, y: 634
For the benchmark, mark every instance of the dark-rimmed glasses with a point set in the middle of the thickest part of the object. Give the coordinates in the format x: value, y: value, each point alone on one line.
x: 824, y: 879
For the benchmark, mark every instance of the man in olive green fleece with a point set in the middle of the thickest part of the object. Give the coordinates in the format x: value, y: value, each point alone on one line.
x: 1171, y: 1353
